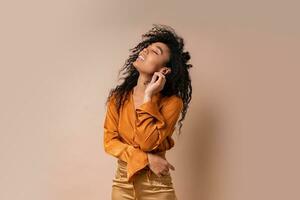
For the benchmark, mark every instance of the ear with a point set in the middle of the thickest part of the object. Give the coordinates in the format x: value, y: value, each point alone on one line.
x: 165, y: 70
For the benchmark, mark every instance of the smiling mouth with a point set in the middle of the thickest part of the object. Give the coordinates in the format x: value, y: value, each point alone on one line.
x: 140, y: 58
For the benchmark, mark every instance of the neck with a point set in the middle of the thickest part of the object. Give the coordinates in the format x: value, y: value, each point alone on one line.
x: 142, y: 83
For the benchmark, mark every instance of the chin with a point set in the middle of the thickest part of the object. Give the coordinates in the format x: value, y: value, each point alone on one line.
x: 136, y: 66
x: 142, y: 69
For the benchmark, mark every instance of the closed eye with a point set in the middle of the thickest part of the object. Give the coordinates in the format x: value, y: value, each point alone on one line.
x: 155, y: 52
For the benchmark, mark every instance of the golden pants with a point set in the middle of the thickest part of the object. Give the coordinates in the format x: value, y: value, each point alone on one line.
x: 143, y: 187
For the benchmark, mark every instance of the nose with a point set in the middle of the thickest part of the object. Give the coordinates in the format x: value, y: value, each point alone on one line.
x: 145, y: 50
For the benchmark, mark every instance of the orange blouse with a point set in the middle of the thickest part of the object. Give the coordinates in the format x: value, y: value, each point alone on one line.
x: 131, y: 133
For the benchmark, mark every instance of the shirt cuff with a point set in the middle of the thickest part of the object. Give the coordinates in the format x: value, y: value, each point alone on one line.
x: 137, y: 161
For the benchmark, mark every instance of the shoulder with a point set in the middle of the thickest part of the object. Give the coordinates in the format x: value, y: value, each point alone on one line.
x: 112, y: 101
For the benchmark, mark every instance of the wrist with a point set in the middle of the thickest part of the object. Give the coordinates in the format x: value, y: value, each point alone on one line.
x: 148, y: 159
x: 147, y: 97
x: 148, y: 94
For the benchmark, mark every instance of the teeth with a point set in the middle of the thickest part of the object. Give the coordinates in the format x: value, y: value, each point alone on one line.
x: 141, y: 57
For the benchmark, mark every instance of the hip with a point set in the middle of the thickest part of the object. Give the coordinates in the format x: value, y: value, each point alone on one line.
x: 144, y: 176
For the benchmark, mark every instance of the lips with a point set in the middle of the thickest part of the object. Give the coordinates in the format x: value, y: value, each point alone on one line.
x: 140, y: 57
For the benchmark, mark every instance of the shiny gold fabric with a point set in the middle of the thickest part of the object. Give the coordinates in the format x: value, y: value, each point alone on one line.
x: 133, y: 132
x: 142, y: 186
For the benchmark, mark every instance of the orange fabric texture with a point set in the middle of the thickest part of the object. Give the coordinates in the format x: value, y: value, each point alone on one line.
x: 130, y: 134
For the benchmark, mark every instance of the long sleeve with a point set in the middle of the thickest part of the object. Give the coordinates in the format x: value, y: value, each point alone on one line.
x: 136, y: 158
x: 153, y: 124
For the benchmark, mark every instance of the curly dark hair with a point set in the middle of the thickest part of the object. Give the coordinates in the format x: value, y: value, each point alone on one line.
x: 178, y: 82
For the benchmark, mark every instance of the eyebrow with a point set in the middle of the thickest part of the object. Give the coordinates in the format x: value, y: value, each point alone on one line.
x: 159, y: 49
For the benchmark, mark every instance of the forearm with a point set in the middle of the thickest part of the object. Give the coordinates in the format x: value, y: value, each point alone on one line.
x: 155, y: 122
x: 147, y: 97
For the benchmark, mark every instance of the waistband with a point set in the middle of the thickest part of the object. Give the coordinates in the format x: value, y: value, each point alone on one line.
x: 162, y: 154
x: 123, y: 165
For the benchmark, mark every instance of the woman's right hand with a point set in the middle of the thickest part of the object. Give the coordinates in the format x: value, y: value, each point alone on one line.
x: 159, y: 165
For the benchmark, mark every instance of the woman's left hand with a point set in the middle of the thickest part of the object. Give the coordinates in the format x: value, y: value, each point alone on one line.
x: 157, y: 82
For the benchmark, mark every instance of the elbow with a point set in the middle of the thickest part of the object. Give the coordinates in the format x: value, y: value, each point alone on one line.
x: 106, y: 147
x: 147, y: 147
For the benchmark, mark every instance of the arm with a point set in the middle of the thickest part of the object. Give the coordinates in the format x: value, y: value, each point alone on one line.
x: 136, y: 159
x: 154, y: 125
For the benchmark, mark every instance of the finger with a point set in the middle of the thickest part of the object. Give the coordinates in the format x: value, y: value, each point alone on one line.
x: 165, y: 172
x: 163, y: 70
x: 161, y: 74
x: 171, y: 166
x: 162, y: 174
x: 166, y: 71
x: 154, y: 77
x: 156, y: 80
x: 161, y: 77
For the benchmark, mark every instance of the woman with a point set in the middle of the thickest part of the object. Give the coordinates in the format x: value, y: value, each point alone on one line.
x: 142, y: 113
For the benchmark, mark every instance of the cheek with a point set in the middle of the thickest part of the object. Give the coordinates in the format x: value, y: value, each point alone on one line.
x: 153, y: 63
x: 147, y: 66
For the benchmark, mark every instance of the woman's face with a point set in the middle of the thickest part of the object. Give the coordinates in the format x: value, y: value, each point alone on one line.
x: 152, y: 58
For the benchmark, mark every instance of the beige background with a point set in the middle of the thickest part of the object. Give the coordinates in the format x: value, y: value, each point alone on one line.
x: 60, y: 58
